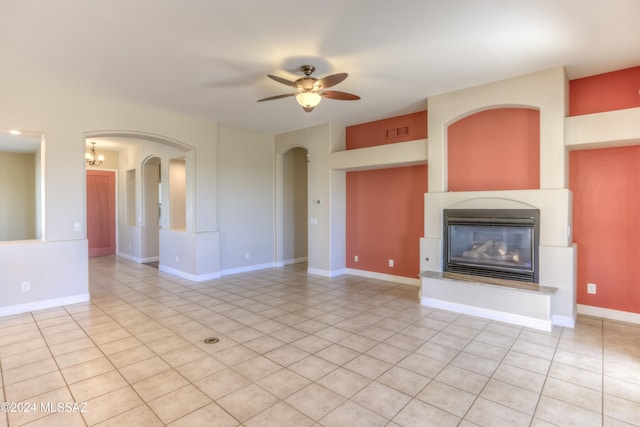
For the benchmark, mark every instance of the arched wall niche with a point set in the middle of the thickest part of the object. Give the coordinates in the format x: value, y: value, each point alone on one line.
x: 151, y: 207
x: 546, y: 91
x: 495, y: 148
x: 488, y: 107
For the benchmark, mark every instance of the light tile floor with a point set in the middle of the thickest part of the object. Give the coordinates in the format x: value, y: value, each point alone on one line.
x: 298, y: 350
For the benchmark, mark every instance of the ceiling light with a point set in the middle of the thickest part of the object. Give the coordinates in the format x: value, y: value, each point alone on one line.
x: 15, y: 132
x: 308, y: 100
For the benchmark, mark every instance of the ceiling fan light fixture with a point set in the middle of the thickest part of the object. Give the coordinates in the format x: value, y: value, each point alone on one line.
x: 308, y: 100
x: 310, y: 91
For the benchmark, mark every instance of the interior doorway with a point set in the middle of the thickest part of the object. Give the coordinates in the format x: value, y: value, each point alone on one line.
x: 295, y: 203
x: 101, y: 212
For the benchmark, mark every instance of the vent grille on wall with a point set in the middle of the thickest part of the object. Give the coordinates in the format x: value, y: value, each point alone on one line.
x: 397, y: 132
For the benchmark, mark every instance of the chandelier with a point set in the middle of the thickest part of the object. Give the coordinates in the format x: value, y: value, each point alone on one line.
x: 92, y: 159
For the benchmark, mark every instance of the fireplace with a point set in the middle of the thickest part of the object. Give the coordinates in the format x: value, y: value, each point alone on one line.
x: 496, y: 243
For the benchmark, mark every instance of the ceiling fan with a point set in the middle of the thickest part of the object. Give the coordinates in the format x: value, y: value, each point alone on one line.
x: 310, y: 91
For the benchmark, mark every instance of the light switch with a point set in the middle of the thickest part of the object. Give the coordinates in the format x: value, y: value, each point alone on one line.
x: 313, y: 221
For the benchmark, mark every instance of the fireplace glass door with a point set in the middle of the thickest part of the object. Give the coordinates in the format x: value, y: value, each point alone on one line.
x: 493, y: 246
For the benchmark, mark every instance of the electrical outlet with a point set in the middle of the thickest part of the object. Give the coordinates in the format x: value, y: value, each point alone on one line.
x: 177, y: 259
x: 591, y: 288
x: 247, y: 255
x: 355, y: 258
x: 26, y: 286
x: 390, y: 263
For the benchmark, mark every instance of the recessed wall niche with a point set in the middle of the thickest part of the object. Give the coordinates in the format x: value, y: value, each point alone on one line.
x: 177, y: 194
x: 495, y: 149
x: 21, y: 158
x: 131, y: 197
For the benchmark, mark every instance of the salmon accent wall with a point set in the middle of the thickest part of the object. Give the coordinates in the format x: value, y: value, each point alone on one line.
x: 409, y: 127
x: 606, y: 208
x: 385, y: 219
x: 496, y: 149
x: 616, y: 90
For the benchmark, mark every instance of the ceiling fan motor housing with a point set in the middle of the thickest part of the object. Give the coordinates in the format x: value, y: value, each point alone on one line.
x: 307, y: 69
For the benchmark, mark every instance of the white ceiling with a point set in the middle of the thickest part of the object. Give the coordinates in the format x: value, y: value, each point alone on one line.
x: 210, y: 57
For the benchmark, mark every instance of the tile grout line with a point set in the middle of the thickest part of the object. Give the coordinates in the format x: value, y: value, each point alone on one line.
x: 546, y: 376
x: 493, y: 373
x: 107, y: 358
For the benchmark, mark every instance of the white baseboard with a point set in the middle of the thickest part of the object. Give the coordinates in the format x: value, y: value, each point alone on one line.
x: 607, y: 313
x: 188, y: 276
x: 294, y: 261
x: 564, y: 321
x: 386, y: 277
x: 44, y: 304
x: 137, y: 259
x: 129, y: 257
x: 529, y: 322
x: 247, y: 268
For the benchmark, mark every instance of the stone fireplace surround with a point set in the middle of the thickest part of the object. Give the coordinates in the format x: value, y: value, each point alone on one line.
x: 555, y: 302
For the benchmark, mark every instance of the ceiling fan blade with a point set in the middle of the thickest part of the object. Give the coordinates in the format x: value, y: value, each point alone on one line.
x: 332, y: 80
x: 343, y: 96
x: 276, y: 97
x: 283, y: 81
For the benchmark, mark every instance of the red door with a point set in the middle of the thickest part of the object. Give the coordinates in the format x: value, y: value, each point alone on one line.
x: 101, y: 212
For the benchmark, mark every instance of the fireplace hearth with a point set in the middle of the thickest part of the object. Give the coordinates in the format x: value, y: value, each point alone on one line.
x: 495, y: 243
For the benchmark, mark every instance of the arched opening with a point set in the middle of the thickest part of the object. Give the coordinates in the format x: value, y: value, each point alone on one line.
x: 295, y: 206
x: 142, y: 164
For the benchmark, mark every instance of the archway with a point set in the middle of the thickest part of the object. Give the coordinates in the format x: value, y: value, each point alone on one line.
x: 141, y: 164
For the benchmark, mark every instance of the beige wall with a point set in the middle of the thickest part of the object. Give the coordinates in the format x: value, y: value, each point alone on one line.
x: 246, y: 199
x: 17, y: 196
